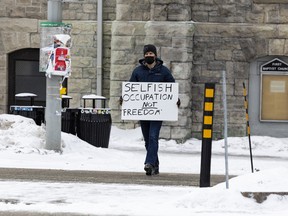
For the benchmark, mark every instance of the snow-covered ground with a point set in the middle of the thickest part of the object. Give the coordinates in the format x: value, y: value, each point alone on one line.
x: 22, y: 146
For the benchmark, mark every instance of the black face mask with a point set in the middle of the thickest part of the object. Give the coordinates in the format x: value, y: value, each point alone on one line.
x: 149, y: 59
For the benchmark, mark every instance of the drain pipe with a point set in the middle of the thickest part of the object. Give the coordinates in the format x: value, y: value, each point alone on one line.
x: 99, y: 48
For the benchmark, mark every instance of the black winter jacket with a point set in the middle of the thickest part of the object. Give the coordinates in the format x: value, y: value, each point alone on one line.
x: 159, y: 73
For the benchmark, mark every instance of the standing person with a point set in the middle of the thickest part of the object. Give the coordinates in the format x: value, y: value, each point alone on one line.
x: 151, y: 69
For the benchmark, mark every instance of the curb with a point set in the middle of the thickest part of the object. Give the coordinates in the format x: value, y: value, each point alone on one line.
x: 260, y: 197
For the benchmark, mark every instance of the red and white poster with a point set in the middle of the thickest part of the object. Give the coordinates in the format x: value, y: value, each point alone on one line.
x: 55, y: 58
x: 59, y: 61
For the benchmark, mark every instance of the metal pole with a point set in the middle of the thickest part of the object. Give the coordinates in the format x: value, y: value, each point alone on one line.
x: 99, y: 49
x: 54, y: 13
x: 248, y: 125
x: 53, y: 100
x: 225, y: 128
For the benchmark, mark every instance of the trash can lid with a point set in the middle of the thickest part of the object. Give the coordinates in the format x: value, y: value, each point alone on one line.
x: 66, y: 96
x: 93, y: 96
x: 25, y: 95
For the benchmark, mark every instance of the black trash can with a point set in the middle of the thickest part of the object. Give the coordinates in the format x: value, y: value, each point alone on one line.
x: 68, y: 120
x: 68, y: 116
x: 94, y: 124
x: 37, y: 113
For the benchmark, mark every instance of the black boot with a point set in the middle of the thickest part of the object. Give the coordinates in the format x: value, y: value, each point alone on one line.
x: 157, y: 170
x: 150, y: 170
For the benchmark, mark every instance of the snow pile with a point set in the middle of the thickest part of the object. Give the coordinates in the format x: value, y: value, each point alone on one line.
x: 21, y: 135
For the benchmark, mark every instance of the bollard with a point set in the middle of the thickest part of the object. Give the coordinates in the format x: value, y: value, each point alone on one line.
x: 207, y: 132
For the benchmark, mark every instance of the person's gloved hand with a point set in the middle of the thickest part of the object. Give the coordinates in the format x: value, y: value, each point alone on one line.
x: 178, y: 103
x: 120, y: 101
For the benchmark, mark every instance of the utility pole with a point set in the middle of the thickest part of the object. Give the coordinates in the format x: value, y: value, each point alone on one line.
x: 53, y: 100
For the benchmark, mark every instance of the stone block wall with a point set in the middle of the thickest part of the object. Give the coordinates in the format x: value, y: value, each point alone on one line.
x: 20, y: 29
x: 166, y: 24
x: 84, y: 59
x: 71, y: 10
x: 244, y: 11
x: 87, y: 10
x: 32, y: 9
x: 155, y: 10
x: 14, y: 34
x: 174, y: 42
x: 230, y: 47
x: 229, y: 35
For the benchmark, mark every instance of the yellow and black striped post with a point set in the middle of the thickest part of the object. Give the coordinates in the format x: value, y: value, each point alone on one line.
x: 248, y: 125
x: 207, y: 132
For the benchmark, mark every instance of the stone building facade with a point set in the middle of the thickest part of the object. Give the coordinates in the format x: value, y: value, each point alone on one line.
x: 197, y: 39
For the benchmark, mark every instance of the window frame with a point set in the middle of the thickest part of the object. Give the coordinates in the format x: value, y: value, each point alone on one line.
x: 261, y: 95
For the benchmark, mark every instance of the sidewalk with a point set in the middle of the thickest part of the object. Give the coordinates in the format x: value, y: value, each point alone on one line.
x: 50, y: 175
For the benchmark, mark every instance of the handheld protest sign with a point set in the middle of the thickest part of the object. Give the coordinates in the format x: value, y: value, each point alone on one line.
x: 149, y: 101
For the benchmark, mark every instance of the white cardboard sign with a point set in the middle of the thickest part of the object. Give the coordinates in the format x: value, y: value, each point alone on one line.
x: 149, y: 101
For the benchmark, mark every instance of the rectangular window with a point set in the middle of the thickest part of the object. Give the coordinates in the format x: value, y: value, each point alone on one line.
x: 274, y: 97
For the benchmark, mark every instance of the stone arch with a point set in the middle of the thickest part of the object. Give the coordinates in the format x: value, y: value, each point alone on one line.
x: 15, y: 34
x: 254, y: 48
x: 257, y: 51
x: 257, y: 47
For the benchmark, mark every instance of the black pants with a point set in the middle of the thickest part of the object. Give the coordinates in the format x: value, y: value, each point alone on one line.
x: 151, y: 131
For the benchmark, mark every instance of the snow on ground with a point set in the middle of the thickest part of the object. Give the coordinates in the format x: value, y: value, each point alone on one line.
x: 22, y: 145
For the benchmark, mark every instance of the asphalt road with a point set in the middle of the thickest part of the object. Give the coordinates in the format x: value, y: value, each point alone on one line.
x: 16, y: 174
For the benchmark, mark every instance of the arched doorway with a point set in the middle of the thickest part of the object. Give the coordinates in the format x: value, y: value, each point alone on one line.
x: 24, y: 77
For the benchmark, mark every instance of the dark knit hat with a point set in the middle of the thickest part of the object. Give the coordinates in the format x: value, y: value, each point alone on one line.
x: 150, y: 48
